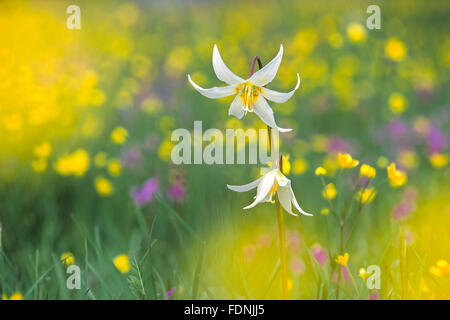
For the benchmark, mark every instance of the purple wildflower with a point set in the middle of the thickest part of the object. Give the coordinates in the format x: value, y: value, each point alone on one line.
x: 374, y: 295
x: 131, y: 158
x: 145, y: 194
x: 320, y: 254
x: 176, y: 191
x: 169, y: 293
x: 436, y: 140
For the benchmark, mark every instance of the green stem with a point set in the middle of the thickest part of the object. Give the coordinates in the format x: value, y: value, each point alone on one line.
x: 281, y: 234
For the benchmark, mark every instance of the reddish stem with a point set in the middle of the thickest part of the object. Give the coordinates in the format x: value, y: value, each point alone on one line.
x: 252, y: 68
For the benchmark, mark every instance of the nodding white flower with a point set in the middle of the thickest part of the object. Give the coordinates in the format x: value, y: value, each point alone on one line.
x: 251, y: 94
x: 271, y: 183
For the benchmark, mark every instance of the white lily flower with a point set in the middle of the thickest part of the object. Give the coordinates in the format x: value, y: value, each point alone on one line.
x: 271, y: 183
x: 251, y: 94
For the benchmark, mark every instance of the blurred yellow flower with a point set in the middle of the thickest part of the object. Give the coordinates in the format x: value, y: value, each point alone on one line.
x: 367, y: 171
x: 119, y: 135
x: 43, y: 150
x: 15, y: 296
x: 122, y: 263
x: 397, y: 103
x: 408, y: 159
x: 320, y: 171
x: 329, y: 191
x: 366, y: 195
x: 67, y: 258
x: 342, y: 260
x: 39, y: 165
x: 439, y: 160
x: 382, y: 162
x: 165, y: 150
x: 114, y: 167
x: 346, y: 161
x: 151, y: 105
x: 103, y: 186
x: 397, y: 178
x: 441, y: 268
x: 330, y: 164
x: 325, y: 211
x: 335, y: 40
x: 363, y: 274
x: 101, y: 159
x: 423, y: 285
x: 356, y: 32
x: 299, y: 166
x: 286, y: 164
x: 177, y: 60
x: 395, y: 49
x: 75, y: 164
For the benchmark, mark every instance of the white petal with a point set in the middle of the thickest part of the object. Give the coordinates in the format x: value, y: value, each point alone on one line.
x: 265, y: 112
x: 214, y: 92
x: 245, y: 187
x: 263, y: 188
x: 222, y: 71
x: 268, y: 72
x: 294, y: 201
x: 280, y: 97
x: 285, y: 199
x: 281, y: 179
x: 236, y: 108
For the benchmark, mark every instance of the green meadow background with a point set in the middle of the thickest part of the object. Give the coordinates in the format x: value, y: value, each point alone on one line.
x: 85, y: 123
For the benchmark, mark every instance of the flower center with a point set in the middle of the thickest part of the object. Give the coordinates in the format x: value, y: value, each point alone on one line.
x: 249, y: 93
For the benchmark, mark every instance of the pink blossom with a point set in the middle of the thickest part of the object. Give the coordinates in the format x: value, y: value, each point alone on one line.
x: 320, y: 254
x: 145, y: 194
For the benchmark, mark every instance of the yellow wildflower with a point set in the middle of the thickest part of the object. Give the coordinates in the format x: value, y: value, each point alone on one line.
x: 397, y: 178
x: 442, y: 268
x: 397, y: 103
x: 165, y: 150
x: 367, y: 195
x: 408, y: 159
x: 325, y: 211
x: 299, y: 166
x: 395, y: 49
x: 342, y: 260
x: 329, y: 192
x: 320, y: 171
x: 363, y: 274
x: 75, y: 164
x: 382, y: 162
x: 101, y: 159
x: 15, y: 296
x: 356, y: 32
x: 67, y: 258
x: 119, y: 135
x: 439, y: 160
x: 286, y: 165
x: 43, y: 150
x: 122, y: 263
x: 103, y: 186
x: 114, y: 167
x: 367, y: 171
x: 346, y: 161
x: 435, y: 271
